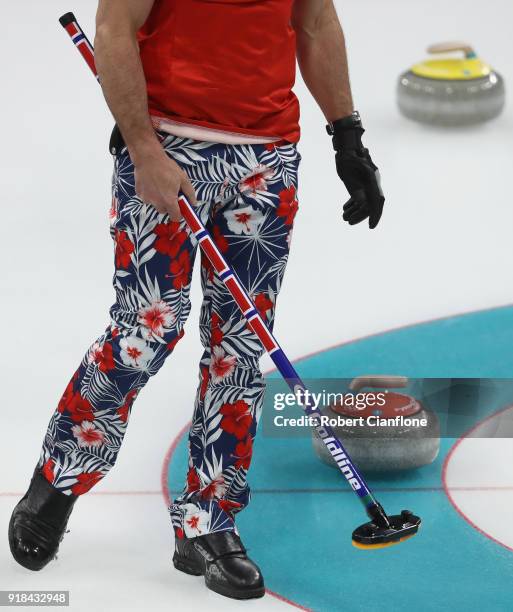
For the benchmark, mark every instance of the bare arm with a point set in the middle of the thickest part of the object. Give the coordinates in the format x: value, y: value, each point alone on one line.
x: 322, y: 57
x: 158, y: 178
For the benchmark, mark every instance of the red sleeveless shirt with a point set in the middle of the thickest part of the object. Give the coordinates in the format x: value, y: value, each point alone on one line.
x: 223, y: 64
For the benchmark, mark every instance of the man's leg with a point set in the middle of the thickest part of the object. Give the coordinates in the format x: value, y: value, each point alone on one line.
x: 252, y: 227
x: 153, y: 266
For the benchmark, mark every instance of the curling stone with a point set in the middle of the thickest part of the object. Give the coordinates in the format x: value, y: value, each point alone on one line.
x: 376, y: 437
x: 451, y: 91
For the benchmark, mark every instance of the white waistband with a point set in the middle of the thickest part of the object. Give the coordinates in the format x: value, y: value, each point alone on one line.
x: 196, y: 132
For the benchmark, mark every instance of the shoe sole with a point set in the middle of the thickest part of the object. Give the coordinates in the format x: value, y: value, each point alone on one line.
x: 234, y: 594
x: 190, y: 567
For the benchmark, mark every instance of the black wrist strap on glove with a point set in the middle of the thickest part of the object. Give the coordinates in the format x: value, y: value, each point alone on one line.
x: 347, y: 132
x: 357, y: 171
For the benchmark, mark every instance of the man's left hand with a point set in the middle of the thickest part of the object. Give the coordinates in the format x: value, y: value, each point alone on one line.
x: 358, y: 172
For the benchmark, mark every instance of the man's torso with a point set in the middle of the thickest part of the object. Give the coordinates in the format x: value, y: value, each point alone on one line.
x: 227, y: 66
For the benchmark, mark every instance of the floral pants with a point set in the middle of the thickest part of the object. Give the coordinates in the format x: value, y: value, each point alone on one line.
x: 247, y: 199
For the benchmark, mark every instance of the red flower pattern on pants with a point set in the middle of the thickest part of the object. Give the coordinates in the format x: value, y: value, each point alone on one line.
x: 219, y: 239
x: 263, y: 305
x: 181, y: 268
x: 124, y: 411
x: 86, y: 482
x: 104, y: 357
x: 171, y: 237
x: 288, y: 205
x: 244, y: 452
x: 237, y: 419
x: 124, y: 249
x: 250, y: 212
x: 215, y: 330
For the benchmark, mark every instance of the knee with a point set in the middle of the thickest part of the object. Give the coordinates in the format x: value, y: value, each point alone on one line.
x: 145, y: 337
x: 223, y: 363
x: 154, y: 323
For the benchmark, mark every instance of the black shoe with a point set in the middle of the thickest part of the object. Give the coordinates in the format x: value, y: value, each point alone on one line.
x: 221, y: 558
x: 38, y: 523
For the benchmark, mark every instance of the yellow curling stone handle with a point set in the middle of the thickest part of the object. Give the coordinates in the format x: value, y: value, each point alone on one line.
x: 452, y: 47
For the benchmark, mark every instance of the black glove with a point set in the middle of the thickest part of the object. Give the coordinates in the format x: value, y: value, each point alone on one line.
x: 358, y: 172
